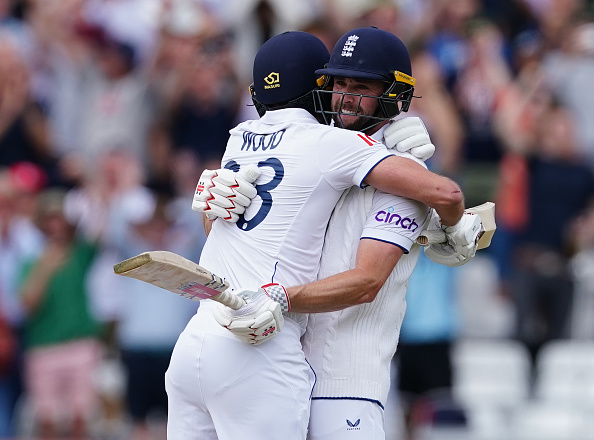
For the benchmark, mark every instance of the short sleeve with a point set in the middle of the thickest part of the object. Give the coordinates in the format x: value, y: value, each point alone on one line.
x: 395, y: 220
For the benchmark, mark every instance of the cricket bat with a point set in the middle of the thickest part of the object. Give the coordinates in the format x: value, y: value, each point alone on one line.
x: 486, y: 212
x: 178, y: 275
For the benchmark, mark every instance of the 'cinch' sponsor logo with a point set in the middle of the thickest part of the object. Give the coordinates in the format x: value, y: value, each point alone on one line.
x: 390, y: 216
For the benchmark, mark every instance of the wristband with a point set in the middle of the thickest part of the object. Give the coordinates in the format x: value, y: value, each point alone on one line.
x: 278, y: 293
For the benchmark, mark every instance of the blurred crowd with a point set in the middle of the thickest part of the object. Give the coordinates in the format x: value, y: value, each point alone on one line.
x: 111, y: 109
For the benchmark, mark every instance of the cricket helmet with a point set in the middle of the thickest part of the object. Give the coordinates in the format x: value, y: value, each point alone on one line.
x: 284, y: 71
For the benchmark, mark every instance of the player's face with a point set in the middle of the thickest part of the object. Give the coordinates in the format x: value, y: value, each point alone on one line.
x: 355, y: 105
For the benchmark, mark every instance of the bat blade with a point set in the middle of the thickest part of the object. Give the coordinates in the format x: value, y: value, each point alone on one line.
x: 486, y: 212
x: 179, y: 275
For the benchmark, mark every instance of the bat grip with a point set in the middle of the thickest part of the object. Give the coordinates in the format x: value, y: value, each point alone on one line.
x: 229, y: 299
x: 428, y: 238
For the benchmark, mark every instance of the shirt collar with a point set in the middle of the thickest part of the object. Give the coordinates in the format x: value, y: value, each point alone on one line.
x: 379, y: 135
x: 284, y: 115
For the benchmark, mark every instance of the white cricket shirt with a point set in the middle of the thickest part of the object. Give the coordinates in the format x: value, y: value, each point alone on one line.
x: 305, y: 168
x: 351, y: 350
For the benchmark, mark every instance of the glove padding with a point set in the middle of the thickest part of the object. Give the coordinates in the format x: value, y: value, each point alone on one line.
x: 260, y: 319
x: 224, y: 193
x: 462, y: 240
x: 409, y: 135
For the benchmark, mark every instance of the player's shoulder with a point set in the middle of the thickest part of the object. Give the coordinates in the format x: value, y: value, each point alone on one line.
x: 350, y: 137
x: 248, y: 125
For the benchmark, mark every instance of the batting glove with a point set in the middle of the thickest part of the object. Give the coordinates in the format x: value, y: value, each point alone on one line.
x: 445, y: 254
x: 409, y: 135
x: 260, y: 319
x: 462, y: 241
x: 224, y: 193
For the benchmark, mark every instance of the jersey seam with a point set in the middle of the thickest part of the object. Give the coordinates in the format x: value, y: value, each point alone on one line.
x: 350, y: 398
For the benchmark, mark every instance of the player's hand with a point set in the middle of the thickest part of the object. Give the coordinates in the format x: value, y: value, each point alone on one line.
x: 462, y: 241
x: 409, y: 135
x: 445, y: 254
x: 260, y: 319
x: 224, y: 193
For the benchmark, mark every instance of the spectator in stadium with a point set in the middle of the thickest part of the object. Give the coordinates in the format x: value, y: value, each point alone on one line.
x: 61, y: 337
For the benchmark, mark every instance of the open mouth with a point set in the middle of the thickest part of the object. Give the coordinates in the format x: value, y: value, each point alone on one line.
x: 348, y: 112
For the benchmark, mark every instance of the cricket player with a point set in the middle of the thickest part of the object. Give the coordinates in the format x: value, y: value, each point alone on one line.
x: 351, y: 350
x: 372, y: 233
x: 218, y: 386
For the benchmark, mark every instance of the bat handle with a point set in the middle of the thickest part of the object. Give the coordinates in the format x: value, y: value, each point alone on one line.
x: 432, y: 237
x: 229, y: 299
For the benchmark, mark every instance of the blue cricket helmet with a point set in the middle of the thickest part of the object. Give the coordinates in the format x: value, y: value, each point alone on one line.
x: 368, y: 53
x: 285, y: 71
x: 374, y: 54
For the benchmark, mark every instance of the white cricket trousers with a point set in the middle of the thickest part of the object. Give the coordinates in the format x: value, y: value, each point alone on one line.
x: 220, y: 388
x: 346, y: 419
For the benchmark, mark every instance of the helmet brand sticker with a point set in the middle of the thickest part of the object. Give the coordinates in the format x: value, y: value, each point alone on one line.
x: 272, y: 81
x: 403, y: 77
x: 349, y: 46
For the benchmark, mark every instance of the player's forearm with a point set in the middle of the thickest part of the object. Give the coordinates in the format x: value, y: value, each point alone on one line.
x: 374, y: 264
x: 337, y: 292
x: 406, y: 178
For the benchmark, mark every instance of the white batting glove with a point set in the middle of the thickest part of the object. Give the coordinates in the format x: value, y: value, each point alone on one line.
x: 224, y: 193
x: 260, y: 319
x: 409, y: 135
x: 462, y: 241
x: 445, y: 254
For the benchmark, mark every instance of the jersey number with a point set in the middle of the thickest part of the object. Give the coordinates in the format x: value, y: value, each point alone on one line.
x: 263, y: 192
